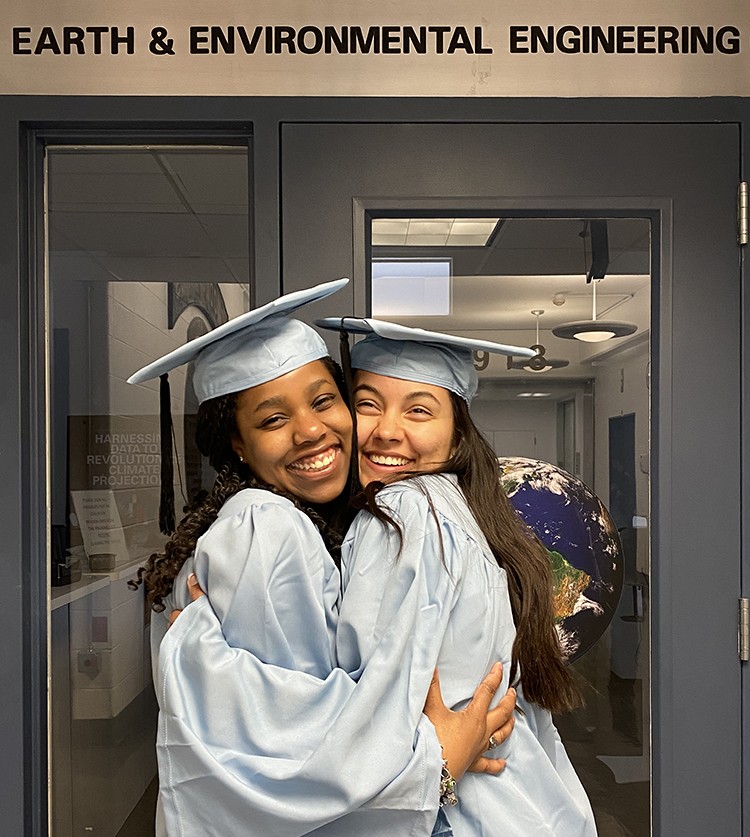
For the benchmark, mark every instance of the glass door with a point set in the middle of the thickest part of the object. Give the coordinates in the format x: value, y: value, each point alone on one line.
x: 550, y: 421
x: 147, y: 246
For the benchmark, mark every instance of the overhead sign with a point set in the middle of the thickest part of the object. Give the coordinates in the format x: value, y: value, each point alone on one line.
x: 360, y: 48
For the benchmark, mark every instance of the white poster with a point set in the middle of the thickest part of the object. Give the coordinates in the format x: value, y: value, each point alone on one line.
x: 101, y: 528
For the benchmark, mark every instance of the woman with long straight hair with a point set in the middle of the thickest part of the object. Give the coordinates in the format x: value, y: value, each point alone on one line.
x: 440, y: 542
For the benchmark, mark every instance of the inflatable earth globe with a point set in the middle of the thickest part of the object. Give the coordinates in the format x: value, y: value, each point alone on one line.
x: 583, y: 545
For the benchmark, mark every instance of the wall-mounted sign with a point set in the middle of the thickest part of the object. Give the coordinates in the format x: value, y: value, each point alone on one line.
x: 360, y: 48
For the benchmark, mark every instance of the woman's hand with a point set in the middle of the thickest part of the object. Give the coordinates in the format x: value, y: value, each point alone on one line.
x: 465, y: 735
x: 195, y: 593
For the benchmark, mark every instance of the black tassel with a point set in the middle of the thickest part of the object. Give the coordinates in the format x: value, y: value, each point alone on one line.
x: 346, y: 367
x: 166, y: 499
x: 346, y: 358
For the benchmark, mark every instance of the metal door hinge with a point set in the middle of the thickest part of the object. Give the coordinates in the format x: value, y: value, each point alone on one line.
x: 742, y: 213
x: 743, y: 635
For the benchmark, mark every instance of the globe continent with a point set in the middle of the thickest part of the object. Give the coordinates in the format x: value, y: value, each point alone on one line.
x: 582, y: 541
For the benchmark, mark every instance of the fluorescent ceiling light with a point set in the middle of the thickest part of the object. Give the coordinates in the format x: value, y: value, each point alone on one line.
x: 430, y: 226
x: 432, y: 232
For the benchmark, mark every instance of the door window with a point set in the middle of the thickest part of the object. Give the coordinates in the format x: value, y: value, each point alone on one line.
x: 581, y: 404
x: 147, y: 247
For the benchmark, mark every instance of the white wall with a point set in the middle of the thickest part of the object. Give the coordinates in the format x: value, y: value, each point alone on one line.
x: 518, y: 428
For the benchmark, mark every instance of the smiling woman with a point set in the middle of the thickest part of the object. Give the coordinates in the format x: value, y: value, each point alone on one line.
x: 401, y: 429
x: 274, y: 425
x: 296, y: 432
x: 446, y: 591
x: 473, y: 581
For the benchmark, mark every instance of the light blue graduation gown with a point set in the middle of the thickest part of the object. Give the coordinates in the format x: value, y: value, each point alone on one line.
x: 454, y: 602
x: 258, y: 733
x: 408, y: 605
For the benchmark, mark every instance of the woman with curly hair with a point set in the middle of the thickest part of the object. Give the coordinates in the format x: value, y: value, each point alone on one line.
x: 274, y: 425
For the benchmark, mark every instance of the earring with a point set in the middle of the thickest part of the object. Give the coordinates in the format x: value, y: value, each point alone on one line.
x: 241, y: 459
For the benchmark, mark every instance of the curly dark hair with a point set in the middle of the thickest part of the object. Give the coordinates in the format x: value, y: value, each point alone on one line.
x: 216, y: 426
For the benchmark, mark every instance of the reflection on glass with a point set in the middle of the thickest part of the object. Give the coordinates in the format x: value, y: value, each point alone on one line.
x: 147, y: 248
x: 588, y: 414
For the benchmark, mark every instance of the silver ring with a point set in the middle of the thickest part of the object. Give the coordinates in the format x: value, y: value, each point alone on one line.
x: 493, y: 743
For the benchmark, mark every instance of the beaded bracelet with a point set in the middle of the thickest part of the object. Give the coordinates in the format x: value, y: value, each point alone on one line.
x: 447, y: 787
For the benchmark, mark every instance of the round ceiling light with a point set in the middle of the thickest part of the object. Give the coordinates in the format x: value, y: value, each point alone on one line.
x: 537, y: 363
x: 594, y: 331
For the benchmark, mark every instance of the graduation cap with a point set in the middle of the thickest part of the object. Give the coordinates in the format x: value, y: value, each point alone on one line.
x: 251, y: 349
x: 414, y: 354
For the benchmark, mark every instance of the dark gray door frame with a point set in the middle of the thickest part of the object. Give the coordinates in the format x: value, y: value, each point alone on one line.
x: 352, y: 169
x: 22, y: 428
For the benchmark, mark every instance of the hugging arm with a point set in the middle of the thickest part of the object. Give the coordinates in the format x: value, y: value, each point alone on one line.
x: 462, y: 734
x: 248, y: 742
x: 246, y: 746
x: 418, y: 580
